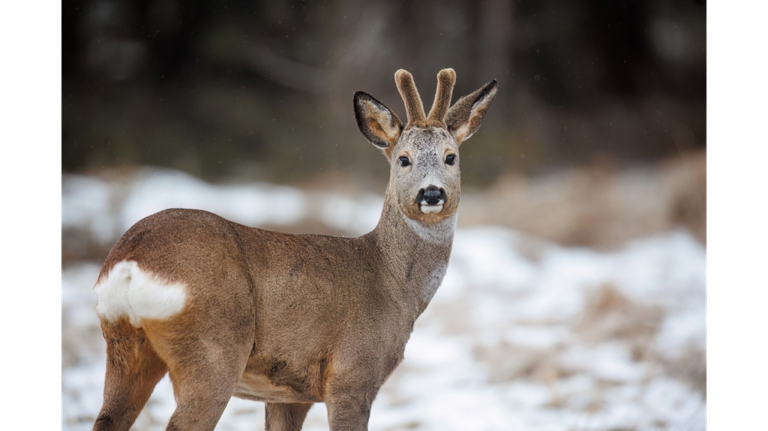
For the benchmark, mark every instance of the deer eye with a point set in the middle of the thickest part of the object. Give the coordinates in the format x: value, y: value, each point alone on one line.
x: 450, y: 159
x: 404, y: 161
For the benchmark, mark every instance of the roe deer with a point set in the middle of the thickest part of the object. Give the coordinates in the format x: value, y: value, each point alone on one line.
x: 290, y: 320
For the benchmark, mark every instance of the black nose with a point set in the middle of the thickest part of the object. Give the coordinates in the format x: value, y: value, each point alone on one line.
x: 432, y: 195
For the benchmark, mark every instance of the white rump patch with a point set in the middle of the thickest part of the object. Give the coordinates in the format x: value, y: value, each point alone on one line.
x: 129, y: 291
x: 428, y: 209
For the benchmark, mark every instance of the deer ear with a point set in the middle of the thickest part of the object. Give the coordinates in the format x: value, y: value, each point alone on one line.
x: 377, y: 122
x: 467, y: 113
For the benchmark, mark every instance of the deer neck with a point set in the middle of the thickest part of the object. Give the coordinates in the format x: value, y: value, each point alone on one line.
x: 415, y: 255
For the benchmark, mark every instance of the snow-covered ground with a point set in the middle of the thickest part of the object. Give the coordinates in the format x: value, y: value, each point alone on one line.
x: 522, y: 335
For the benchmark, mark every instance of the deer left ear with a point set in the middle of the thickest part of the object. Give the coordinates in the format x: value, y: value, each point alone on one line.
x: 467, y: 113
x: 377, y: 122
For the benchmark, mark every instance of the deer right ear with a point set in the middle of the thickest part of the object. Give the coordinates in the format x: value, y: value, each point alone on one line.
x: 379, y: 125
x: 465, y: 115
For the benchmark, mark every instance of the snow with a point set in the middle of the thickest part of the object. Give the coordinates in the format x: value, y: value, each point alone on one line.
x: 523, y: 334
x: 254, y: 204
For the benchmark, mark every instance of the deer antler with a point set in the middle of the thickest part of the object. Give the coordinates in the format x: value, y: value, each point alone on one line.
x: 446, y: 79
x: 414, y: 109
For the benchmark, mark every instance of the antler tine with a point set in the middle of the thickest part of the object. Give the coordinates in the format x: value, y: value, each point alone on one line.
x: 446, y: 79
x: 414, y: 109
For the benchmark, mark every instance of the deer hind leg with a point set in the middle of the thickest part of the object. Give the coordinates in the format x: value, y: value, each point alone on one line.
x: 286, y: 417
x: 205, y: 366
x: 349, y: 406
x: 203, y: 386
x: 200, y: 403
x: 133, y: 370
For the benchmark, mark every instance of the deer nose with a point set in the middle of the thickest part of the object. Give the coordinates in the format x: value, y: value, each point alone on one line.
x: 433, y: 195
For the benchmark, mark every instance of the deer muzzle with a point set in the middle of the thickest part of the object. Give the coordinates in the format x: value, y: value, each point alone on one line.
x: 431, y: 199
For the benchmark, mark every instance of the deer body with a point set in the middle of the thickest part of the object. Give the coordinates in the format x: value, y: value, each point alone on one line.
x: 290, y: 320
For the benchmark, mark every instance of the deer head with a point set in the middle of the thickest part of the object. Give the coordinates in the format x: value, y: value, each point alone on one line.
x: 424, y: 154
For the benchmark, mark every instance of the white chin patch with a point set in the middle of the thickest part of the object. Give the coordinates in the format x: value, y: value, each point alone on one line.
x: 429, y: 209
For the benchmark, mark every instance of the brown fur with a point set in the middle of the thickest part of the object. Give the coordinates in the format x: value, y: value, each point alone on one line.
x: 446, y: 79
x: 378, y: 123
x: 286, y: 319
x: 131, y: 362
x: 467, y: 113
x: 285, y: 417
x: 414, y: 109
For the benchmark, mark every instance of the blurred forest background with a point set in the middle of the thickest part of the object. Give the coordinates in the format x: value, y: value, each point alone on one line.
x: 262, y: 90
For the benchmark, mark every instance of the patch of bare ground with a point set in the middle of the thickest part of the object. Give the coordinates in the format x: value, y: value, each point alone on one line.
x: 610, y: 315
x: 691, y: 368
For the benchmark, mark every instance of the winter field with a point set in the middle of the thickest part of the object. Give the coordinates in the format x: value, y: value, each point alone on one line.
x: 523, y: 334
